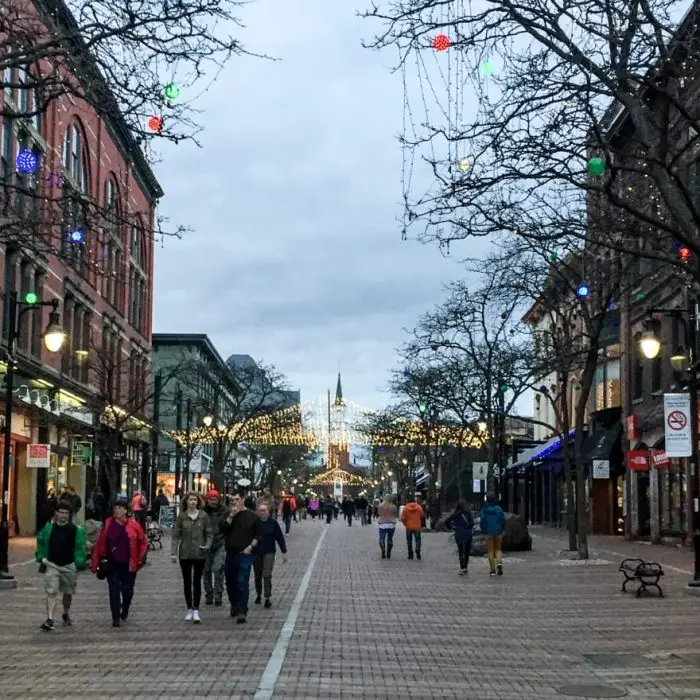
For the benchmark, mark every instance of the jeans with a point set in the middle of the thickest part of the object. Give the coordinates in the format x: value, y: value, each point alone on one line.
x: 192, y: 570
x: 464, y: 549
x: 493, y: 550
x: 349, y: 519
x: 386, y: 533
x: 214, y: 569
x: 410, y: 534
x: 238, y: 568
x: 262, y: 567
x: 287, y: 523
x: 121, y: 588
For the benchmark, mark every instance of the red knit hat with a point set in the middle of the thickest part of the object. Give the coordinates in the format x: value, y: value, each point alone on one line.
x: 213, y: 493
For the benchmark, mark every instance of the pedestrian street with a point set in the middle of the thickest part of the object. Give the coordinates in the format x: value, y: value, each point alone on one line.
x: 345, y: 624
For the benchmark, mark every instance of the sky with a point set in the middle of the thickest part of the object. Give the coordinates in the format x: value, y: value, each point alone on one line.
x: 296, y: 256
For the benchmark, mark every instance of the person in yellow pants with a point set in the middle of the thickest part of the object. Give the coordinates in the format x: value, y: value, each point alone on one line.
x: 492, y: 520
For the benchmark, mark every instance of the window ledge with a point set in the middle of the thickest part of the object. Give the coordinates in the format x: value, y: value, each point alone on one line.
x: 637, y: 401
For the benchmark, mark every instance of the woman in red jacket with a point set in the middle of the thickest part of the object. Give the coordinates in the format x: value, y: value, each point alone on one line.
x: 123, y: 543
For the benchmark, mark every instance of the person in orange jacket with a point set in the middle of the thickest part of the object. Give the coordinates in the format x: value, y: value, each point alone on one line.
x: 412, y: 518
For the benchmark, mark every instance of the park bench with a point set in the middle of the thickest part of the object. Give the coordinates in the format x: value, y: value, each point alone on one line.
x: 646, y: 573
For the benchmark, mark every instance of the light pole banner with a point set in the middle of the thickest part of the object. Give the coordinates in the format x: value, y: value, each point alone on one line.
x: 480, y: 471
x: 679, y: 442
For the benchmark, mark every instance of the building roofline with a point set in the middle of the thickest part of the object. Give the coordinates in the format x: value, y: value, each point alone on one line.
x: 200, y: 340
x: 57, y: 11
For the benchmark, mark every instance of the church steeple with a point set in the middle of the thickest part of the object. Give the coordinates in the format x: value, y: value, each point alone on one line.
x: 339, y: 393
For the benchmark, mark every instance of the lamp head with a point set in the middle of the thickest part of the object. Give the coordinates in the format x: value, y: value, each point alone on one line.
x: 54, y: 335
x: 650, y: 345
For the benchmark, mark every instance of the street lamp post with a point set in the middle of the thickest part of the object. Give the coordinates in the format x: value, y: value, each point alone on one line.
x: 651, y: 346
x: 54, y: 337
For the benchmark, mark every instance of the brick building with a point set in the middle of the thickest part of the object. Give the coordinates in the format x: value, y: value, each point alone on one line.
x: 77, y: 229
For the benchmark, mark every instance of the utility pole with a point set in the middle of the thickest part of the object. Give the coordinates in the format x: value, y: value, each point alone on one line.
x: 178, y: 446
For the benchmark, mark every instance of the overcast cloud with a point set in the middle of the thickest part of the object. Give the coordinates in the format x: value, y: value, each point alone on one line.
x: 296, y: 256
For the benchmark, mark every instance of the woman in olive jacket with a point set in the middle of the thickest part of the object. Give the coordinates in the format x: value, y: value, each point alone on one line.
x: 192, y: 538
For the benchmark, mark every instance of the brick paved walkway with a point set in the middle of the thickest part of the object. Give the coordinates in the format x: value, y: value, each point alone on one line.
x: 366, y: 629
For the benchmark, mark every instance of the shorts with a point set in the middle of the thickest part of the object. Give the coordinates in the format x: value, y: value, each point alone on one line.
x: 60, y: 579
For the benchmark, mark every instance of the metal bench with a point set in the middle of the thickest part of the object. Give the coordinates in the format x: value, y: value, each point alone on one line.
x: 646, y: 573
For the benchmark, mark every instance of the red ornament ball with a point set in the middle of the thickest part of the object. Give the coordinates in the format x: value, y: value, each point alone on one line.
x: 684, y: 253
x: 441, y: 42
x: 155, y: 124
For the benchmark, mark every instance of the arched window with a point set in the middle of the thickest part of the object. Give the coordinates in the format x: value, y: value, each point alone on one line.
x: 111, y: 254
x: 75, y: 161
x: 137, y: 278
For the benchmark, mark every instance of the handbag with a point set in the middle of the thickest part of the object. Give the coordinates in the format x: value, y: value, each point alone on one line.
x: 103, y: 569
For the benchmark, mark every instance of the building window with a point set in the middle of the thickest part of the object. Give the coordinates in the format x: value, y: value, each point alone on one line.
x: 606, y: 385
x: 37, y: 320
x: 27, y: 184
x: 111, y: 254
x: 137, y: 279
x: 75, y: 162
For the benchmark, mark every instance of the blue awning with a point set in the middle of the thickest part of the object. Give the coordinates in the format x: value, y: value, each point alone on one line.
x: 540, y: 452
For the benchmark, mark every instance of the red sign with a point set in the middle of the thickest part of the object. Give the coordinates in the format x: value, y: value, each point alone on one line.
x: 659, y: 459
x: 638, y: 461
x: 631, y: 425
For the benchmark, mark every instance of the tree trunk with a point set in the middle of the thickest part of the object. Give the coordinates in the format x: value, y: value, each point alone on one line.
x: 570, y: 499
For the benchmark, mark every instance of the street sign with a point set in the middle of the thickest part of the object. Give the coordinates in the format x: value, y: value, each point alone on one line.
x: 677, y: 425
x: 601, y: 468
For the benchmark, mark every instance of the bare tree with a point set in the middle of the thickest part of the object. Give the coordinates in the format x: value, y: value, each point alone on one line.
x: 139, y: 65
x: 582, y: 119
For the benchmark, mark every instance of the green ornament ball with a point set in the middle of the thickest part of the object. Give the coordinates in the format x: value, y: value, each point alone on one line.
x: 596, y: 166
x: 553, y: 257
x: 171, y: 91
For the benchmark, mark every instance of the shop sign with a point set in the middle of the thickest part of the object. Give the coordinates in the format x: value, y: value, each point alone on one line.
x: 601, y: 468
x: 38, y: 456
x: 660, y: 459
x: 631, y: 428
x: 677, y: 425
x: 638, y: 461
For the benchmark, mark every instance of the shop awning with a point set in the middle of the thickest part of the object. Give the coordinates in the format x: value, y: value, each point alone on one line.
x: 600, y: 444
x: 540, y: 452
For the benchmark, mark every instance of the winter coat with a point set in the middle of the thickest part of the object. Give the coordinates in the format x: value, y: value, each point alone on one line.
x: 462, y: 522
x: 192, y: 538
x: 138, y: 545
x: 492, y: 520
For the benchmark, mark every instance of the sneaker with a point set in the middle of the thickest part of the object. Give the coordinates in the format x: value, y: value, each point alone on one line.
x: 209, y: 599
x: 499, y: 569
x: 492, y: 573
x: 410, y: 556
x: 218, y: 602
x: 383, y: 555
x: 189, y: 616
x: 462, y: 572
x: 258, y: 600
x: 66, y: 619
x: 196, y: 618
x: 48, y: 625
x: 268, y: 604
x: 241, y: 620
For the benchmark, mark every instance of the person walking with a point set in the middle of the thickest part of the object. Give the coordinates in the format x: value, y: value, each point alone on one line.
x: 159, y: 502
x: 122, y: 546
x: 138, y: 508
x: 287, y: 513
x: 328, y: 507
x: 265, y: 554
x: 492, y: 521
x: 386, y: 520
x: 462, y: 522
x: 70, y: 496
x: 216, y: 556
x: 192, y: 538
x: 242, y: 531
x: 61, y: 549
x: 412, y: 518
x: 348, y: 510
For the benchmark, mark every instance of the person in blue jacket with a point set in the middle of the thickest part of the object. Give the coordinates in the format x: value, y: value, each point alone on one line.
x: 264, y: 563
x: 462, y: 522
x: 492, y: 520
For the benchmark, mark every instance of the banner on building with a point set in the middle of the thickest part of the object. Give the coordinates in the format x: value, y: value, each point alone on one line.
x: 638, y: 461
x: 660, y: 459
x: 38, y: 456
x: 196, y: 461
x: 601, y: 468
x: 677, y: 425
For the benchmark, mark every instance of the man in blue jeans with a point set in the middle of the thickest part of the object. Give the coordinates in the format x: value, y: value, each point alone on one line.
x: 242, y: 530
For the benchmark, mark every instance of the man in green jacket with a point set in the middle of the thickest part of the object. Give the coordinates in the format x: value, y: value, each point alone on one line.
x: 61, y: 549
